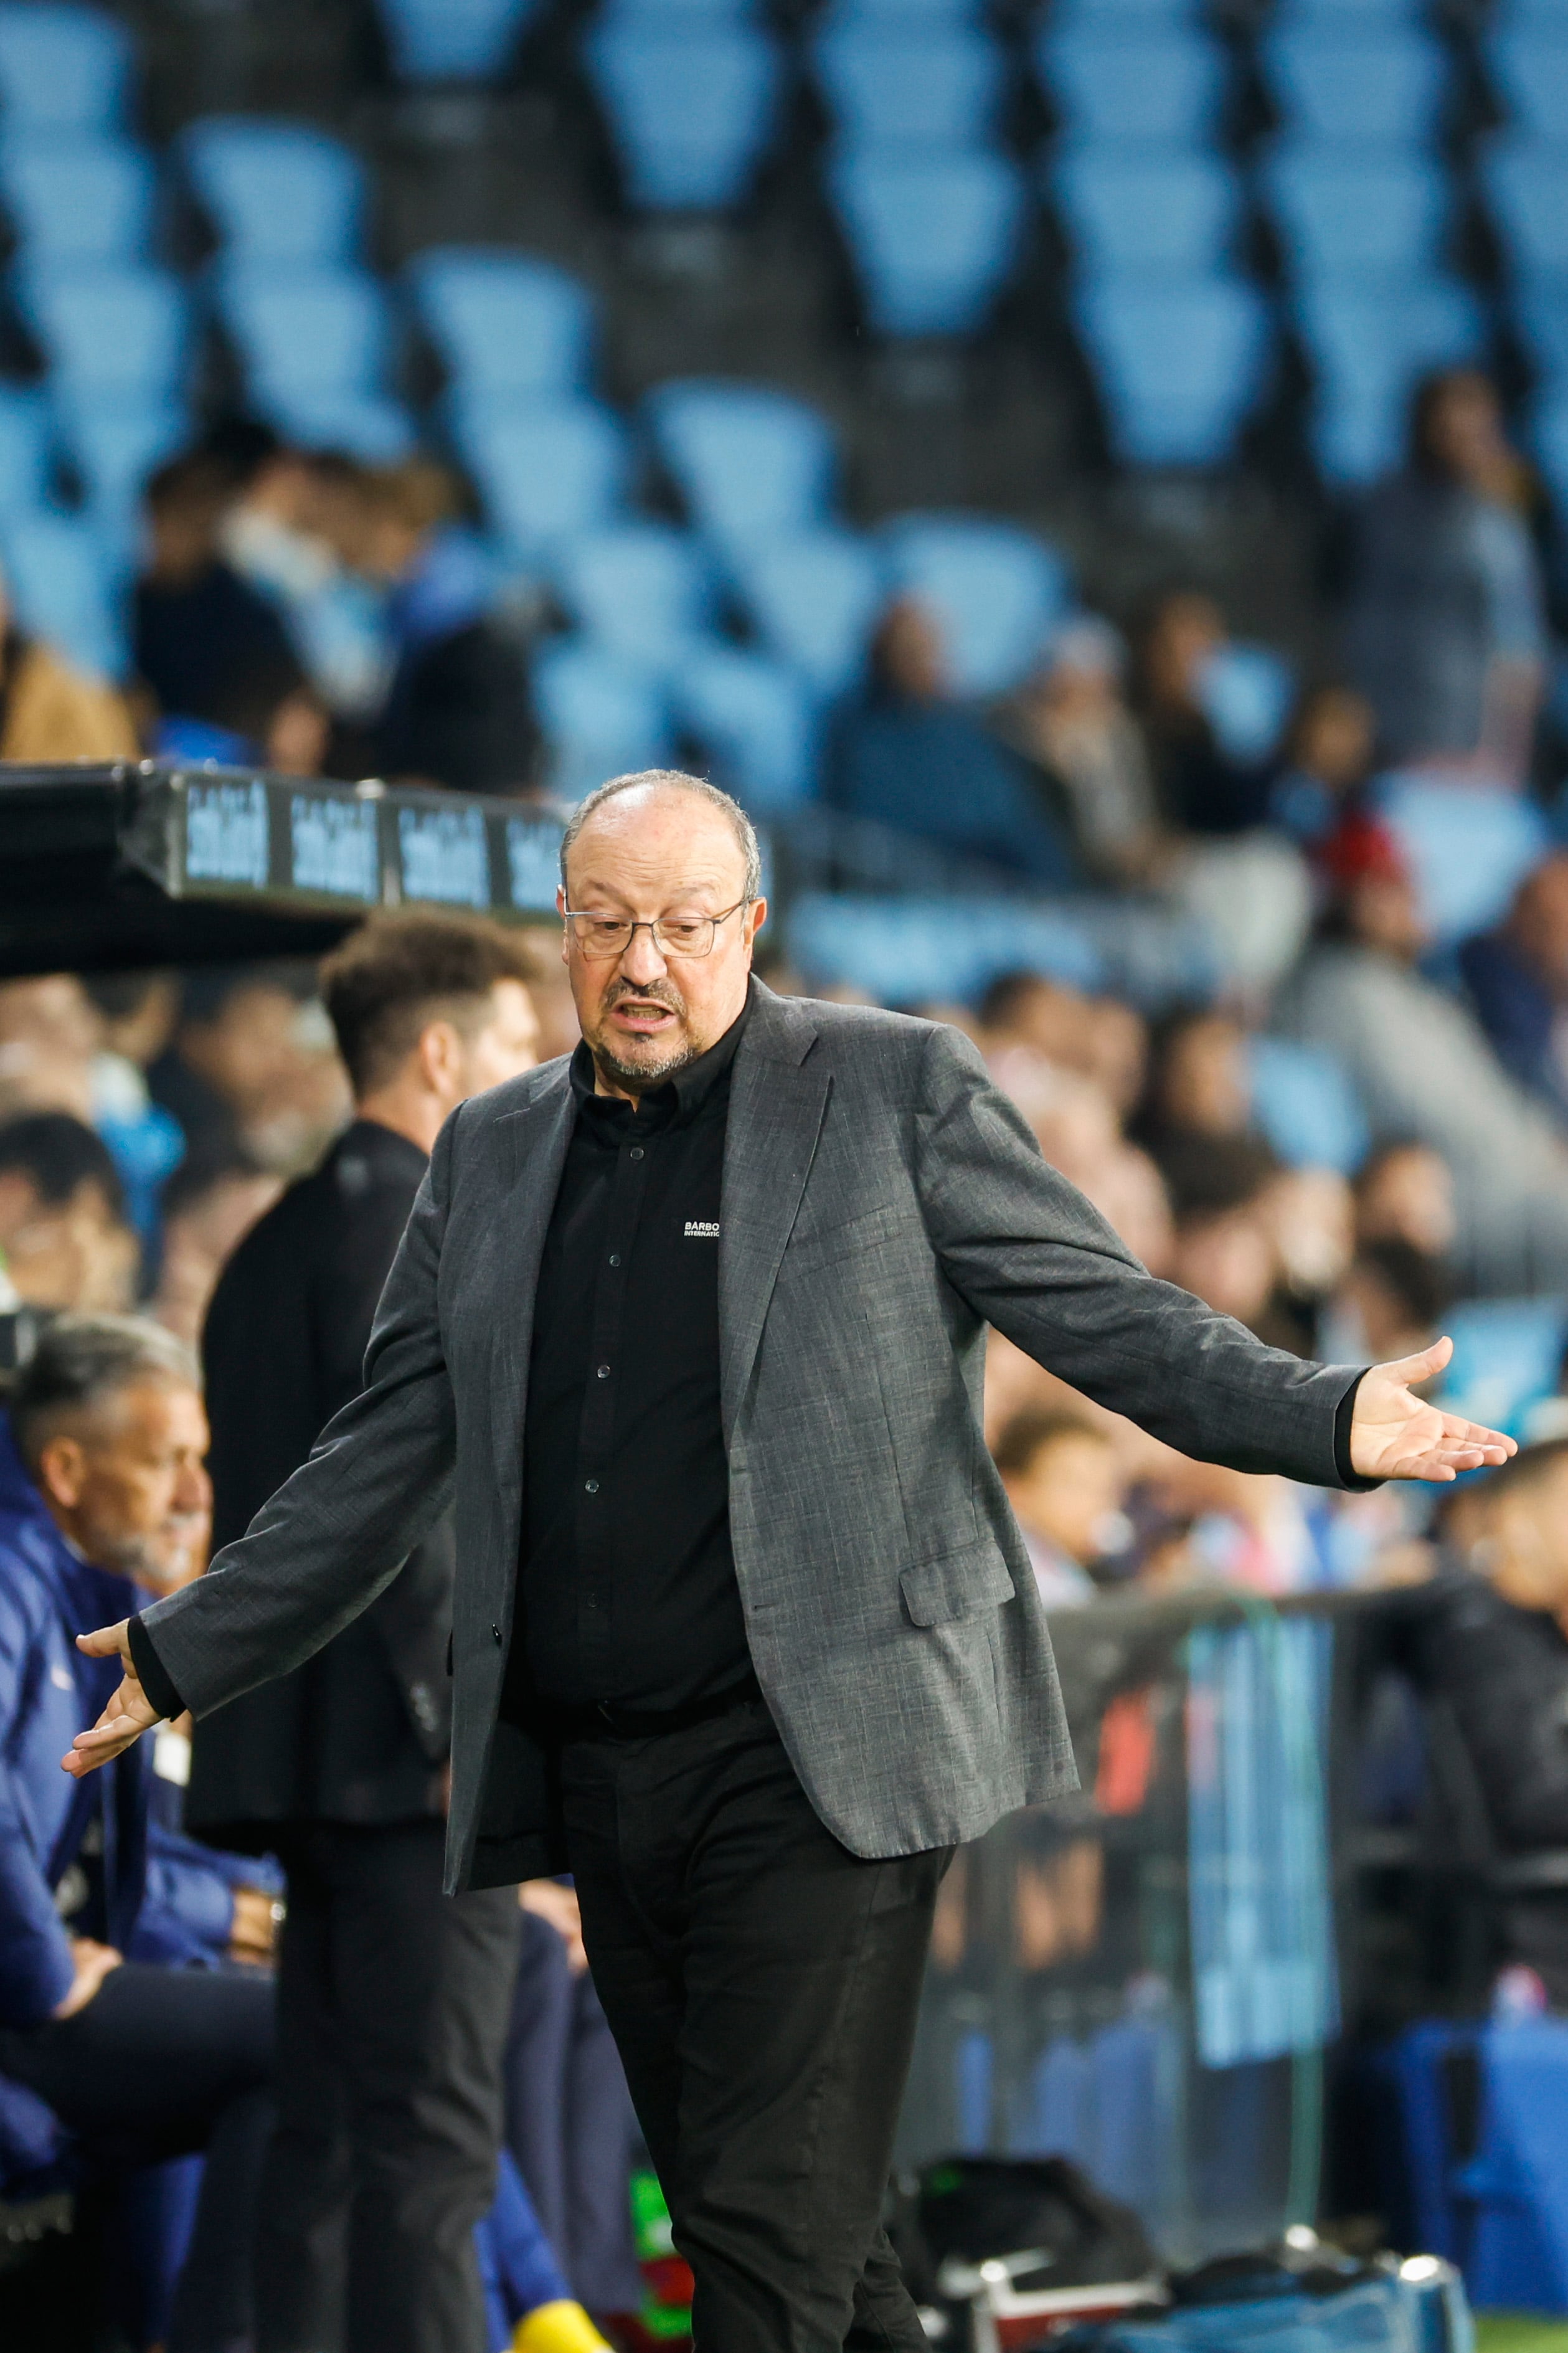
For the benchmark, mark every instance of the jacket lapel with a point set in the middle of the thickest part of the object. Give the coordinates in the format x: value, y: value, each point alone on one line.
x: 776, y: 1109
x: 533, y: 1145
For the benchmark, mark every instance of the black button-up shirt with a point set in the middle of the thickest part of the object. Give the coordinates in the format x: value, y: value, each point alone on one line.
x: 627, y: 1588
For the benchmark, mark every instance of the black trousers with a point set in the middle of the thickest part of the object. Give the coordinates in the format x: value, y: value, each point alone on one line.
x: 762, y: 1984
x: 392, y: 2002
x: 163, y: 2061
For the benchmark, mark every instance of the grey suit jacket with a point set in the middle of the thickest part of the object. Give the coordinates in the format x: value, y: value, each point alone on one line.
x: 882, y: 1202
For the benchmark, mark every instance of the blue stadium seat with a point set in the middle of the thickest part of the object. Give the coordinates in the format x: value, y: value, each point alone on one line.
x: 277, y: 193
x: 1358, y: 216
x: 1528, y: 185
x: 64, y: 588
x: 27, y: 446
x: 1367, y: 348
x: 1383, y: 89
x: 933, y: 240
x: 363, y: 425
x: 603, y: 715
x: 453, y: 40
x: 901, y: 12
x: 305, y: 334
x: 1179, y: 365
x: 1543, y: 313
x: 1154, y: 84
x: 115, y: 449
x: 692, y: 108
x: 1470, y: 847
x: 639, y: 588
x: 1306, y: 1105
x: 996, y: 590
x: 547, y: 470
x: 61, y: 67
x: 507, y: 326
x: 1529, y: 67
x: 111, y: 333
x: 1245, y: 692
x: 1337, y: 16
x: 1549, y: 435
x: 751, y: 464
x: 1132, y: 210
x: 1506, y: 1355
x: 812, y: 599
x: 909, y: 951
x: 74, y: 201
x: 754, y: 721
x: 888, y: 85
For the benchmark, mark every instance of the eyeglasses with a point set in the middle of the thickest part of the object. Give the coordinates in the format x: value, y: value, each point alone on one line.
x: 599, y: 937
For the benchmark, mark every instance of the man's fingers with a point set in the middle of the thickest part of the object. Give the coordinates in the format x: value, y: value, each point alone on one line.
x: 1413, y: 1370
x: 105, y: 1642
x: 1494, y: 1444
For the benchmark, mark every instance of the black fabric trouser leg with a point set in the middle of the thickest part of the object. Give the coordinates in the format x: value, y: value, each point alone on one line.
x: 163, y: 2061
x: 392, y: 2007
x: 762, y: 1983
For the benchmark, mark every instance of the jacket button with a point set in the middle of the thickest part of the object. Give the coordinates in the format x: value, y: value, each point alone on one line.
x: 496, y: 1631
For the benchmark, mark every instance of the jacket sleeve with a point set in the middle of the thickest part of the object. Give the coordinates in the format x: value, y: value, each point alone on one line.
x: 35, y: 1966
x: 334, y: 1534
x: 1030, y: 1255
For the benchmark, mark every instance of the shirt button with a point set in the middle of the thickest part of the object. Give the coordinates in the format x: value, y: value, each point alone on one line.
x: 496, y: 1631
x: 636, y: 1152
x: 590, y: 1486
x: 614, y: 1258
x: 604, y: 1371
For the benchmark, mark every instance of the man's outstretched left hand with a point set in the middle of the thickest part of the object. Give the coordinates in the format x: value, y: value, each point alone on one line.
x: 1397, y: 1435
x: 129, y: 1714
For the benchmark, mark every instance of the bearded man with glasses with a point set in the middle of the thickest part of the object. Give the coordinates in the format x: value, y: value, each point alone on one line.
x: 690, y: 1327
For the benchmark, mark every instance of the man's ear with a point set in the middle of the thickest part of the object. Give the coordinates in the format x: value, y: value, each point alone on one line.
x: 62, y: 1472
x: 440, y: 1053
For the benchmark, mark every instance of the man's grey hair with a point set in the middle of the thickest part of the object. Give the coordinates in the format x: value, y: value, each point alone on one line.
x: 741, y: 825
x: 82, y: 1361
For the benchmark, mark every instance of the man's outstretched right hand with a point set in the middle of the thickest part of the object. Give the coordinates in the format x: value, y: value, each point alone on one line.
x: 129, y: 1714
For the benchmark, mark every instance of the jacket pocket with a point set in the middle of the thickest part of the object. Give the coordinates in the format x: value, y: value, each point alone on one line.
x: 957, y: 1584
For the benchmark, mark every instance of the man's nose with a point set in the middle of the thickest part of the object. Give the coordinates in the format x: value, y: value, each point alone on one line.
x: 642, y: 960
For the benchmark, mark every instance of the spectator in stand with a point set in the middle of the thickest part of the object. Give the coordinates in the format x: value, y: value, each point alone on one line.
x: 208, y: 647
x: 906, y: 754
x: 458, y: 710
x: 1199, y: 786
x: 49, y: 711
x: 1224, y: 1247
x: 1423, y: 1067
x: 394, y: 2002
x: 100, y: 1476
x: 1404, y: 1191
x: 1197, y: 1082
x: 1518, y: 981
x: 1391, y: 1302
x: 63, y: 1243
x: 209, y: 1204
x: 1494, y: 1646
x: 1446, y: 629
x: 252, y: 1067
x: 49, y: 1040
x: 1325, y: 763
x: 1071, y: 723
x: 1062, y: 1480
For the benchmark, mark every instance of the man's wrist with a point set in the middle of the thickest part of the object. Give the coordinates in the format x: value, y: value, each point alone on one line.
x: 151, y: 1674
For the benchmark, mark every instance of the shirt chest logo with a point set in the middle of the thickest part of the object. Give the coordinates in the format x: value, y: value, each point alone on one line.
x: 701, y: 1229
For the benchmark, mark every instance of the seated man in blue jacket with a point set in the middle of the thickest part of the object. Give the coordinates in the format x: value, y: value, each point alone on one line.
x: 101, y: 1479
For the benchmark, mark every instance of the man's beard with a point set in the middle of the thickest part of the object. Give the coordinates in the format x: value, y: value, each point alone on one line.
x: 641, y: 1078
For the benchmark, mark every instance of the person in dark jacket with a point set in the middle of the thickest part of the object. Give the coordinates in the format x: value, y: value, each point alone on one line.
x: 110, y: 2057
x: 392, y: 2002
x: 1517, y: 976
x: 1494, y: 1646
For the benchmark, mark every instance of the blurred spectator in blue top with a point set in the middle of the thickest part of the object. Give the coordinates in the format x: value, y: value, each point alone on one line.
x: 458, y: 710
x: 1518, y: 979
x: 1325, y: 762
x: 1445, y: 630
x: 206, y: 645
x: 1200, y: 786
x: 906, y: 754
x: 1070, y: 722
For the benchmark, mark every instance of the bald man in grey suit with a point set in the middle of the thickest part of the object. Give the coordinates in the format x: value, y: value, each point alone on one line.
x: 688, y: 1329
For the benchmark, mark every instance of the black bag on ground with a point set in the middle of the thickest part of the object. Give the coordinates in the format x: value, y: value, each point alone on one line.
x: 975, y: 2209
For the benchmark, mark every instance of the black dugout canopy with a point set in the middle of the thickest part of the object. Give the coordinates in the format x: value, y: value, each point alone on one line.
x: 135, y: 863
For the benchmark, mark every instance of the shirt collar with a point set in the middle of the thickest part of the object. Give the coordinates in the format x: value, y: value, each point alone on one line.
x: 683, y: 1095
